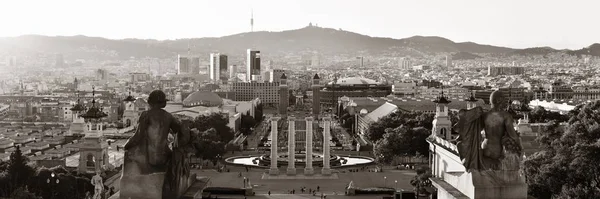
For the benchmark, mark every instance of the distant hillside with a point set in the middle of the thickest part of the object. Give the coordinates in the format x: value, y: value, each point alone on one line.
x: 302, y: 41
x: 593, y: 50
x: 464, y: 56
x: 82, y: 47
x: 534, y: 51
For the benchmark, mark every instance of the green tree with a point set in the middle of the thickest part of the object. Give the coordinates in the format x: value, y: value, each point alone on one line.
x: 258, y: 113
x: 5, y: 187
x: 218, y: 122
x: 207, y: 144
x: 421, y: 182
x: 401, y: 141
x: 18, y: 169
x: 23, y: 193
x: 541, y: 115
x: 410, y: 119
x: 567, y: 166
x: 247, y: 123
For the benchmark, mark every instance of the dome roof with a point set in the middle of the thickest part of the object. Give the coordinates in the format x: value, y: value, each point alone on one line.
x: 354, y: 81
x: 203, y: 98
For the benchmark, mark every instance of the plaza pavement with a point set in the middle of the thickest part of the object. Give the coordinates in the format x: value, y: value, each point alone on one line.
x: 327, y: 186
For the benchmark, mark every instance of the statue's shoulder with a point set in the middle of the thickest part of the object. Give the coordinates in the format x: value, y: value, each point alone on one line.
x: 471, y: 114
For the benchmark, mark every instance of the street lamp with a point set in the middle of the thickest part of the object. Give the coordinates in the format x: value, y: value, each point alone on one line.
x: 395, y: 184
x: 53, y: 181
x: 384, y: 181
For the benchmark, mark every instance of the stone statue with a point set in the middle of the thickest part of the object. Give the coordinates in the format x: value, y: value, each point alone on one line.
x: 150, y: 168
x: 248, y: 184
x: 350, y: 185
x: 488, y: 140
x: 98, y: 185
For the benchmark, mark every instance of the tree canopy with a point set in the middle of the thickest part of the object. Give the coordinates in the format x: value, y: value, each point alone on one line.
x: 567, y: 166
x: 421, y: 182
x: 207, y: 144
x: 411, y: 119
x: 402, y: 140
x: 541, y: 115
x: 218, y: 122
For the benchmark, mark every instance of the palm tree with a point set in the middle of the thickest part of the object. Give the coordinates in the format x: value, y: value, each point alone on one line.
x: 421, y: 182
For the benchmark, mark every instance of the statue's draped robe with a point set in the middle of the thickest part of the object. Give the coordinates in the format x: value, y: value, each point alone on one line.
x: 178, y: 171
x: 469, y: 127
x: 147, y: 153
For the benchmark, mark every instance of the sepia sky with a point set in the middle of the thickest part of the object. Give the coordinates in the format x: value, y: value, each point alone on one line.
x: 512, y: 23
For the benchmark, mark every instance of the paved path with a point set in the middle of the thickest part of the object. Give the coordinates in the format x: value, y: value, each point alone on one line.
x: 298, y: 196
x: 283, y: 186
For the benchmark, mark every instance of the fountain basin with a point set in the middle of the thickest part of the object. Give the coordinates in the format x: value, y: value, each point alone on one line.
x: 264, y: 161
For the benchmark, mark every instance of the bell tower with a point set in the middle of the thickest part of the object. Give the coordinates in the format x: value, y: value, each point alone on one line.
x: 442, y: 125
x: 471, y: 102
x: 130, y: 116
x: 93, y: 151
x: 78, y: 124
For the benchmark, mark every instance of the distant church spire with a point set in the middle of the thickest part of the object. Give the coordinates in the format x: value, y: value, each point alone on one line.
x: 252, y: 20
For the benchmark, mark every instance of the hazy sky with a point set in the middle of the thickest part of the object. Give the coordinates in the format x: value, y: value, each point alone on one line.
x: 512, y: 23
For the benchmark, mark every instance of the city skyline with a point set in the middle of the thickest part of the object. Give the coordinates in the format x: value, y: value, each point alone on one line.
x: 503, y: 23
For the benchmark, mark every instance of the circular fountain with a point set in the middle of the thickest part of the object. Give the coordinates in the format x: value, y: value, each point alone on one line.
x: 300, y: 160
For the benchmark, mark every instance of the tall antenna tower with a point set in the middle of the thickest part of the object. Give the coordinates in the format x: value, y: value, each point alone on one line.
x: 252, y: 20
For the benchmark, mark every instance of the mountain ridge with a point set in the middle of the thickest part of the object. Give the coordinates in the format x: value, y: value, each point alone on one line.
x: 300, y: 41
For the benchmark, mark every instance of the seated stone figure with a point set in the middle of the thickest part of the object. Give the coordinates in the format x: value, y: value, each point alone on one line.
x: 487, y: 140
x: 150, y: 168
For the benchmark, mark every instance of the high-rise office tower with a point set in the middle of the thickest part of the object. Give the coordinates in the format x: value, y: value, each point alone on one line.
x: 448, y: 61
x: 253, y: 65
x: 188, y: 65
x: 217, y: 69
x: 194, y: 64
x: 233, y: 72
x: 224, y: 75
x: 405, y: 63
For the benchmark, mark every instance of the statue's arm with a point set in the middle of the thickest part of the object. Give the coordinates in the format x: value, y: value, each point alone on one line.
x: 510, y: 128
x: 137, y: 136
x: 175, y: 125
x: 512, y: 141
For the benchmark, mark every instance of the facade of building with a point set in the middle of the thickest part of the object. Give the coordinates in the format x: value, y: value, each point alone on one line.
x: 188, y: 65
x: 421, y: 67
x: 267, y: 92
x: 584, y: 93
x: 505, y: 70
x: 139, y: 77
x: 218, y: 68
x: 253, y: 69
x: 352, y: 87
x: 448, y: 61
x: 233, y: 72
x: 405, y: 63
x: 404, y: 88
x: 559, y: 91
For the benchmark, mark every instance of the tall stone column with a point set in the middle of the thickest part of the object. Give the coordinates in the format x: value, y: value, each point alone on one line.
x: 326, y: 139
x: 291, y: 170
x: 274, y: 170
x: 308, y: 170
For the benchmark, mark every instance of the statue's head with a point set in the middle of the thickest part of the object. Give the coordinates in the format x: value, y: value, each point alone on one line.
x: 497, y: 100
x: 157, y: 99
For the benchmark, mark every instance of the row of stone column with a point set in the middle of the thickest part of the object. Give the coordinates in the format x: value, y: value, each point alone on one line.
x: 308, y: 170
